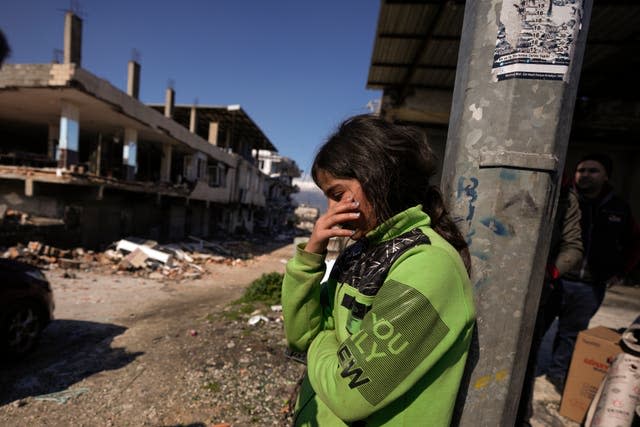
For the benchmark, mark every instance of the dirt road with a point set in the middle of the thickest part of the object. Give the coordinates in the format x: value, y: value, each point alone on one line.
x: 131, y: 351
x: 128, y: 351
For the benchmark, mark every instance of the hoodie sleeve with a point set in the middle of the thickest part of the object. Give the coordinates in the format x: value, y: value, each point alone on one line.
x: 305, y: 301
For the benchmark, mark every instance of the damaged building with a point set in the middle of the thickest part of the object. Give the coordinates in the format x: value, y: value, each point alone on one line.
x: 85, y: 163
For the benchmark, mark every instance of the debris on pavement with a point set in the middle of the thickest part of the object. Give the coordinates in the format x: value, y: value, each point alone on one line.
x: 140, y: 257
x: 131, y: 247
x: 14, y: 217
x: 254, y: 320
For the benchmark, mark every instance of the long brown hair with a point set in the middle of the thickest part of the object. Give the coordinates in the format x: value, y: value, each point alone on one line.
x: 393, y: 164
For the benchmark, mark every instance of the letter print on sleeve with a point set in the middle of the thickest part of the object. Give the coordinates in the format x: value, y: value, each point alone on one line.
x: 391, y: 342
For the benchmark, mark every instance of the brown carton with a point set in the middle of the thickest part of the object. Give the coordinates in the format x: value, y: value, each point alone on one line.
x: 594, y: 351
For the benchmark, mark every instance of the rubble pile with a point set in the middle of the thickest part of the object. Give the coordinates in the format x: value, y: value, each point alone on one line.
x: 140, y: 257
x: 15, y: 217
x: 45, y: 256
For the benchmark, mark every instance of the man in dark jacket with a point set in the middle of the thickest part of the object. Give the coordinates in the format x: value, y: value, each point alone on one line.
x: 611, y: 241
x: 565, y: 253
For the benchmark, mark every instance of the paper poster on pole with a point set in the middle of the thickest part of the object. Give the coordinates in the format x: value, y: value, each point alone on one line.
x: 536, y: 39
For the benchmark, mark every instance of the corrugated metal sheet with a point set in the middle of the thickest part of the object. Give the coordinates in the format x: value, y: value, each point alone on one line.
x: 412, y: 37
x: 405, y: 18
x: 395, y: 51
x: 441, y: 53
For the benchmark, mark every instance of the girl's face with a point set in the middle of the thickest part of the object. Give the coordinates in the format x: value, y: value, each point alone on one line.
x: 345, y: 191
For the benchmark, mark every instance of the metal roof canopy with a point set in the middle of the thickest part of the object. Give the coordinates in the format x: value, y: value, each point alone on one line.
x: 229, y: 118
x: 416, y: 49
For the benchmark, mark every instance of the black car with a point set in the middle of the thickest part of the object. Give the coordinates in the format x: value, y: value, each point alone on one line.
x: 26, y: 307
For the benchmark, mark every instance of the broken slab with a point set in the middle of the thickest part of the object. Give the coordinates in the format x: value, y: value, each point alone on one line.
x: 179, y: 253
x: 136, y: 259
x: 129, y: 246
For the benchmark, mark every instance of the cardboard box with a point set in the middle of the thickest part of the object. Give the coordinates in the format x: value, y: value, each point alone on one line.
x: 594, y: 351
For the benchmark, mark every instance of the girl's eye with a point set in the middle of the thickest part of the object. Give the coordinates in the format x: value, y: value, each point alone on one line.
x: 337, y: 196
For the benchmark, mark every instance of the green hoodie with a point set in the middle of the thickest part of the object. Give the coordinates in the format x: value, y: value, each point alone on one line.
x: 387, y: 335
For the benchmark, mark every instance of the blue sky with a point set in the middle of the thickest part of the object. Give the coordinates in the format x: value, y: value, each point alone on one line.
x: 297, y: 68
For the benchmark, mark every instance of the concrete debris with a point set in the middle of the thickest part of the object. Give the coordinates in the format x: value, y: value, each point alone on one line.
x: 179, y: 253
x: 67, y: 264
x: 129, y: 246
x: 16, y: 217
x: 254, y: 320
x: 112, y: 256
x: 135, y: 259
x: 139, y: 257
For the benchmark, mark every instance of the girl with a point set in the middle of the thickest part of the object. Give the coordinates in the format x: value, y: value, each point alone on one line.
x: 387, y: 335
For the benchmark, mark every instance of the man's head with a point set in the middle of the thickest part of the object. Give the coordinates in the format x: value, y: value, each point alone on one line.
x: 592, y: 172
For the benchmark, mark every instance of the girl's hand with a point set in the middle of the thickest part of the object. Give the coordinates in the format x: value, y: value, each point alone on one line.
x: 327, y: 226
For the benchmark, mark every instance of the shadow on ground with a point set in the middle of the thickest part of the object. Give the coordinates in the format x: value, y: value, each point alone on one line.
x: 256, y: 245
x: 69, y: 351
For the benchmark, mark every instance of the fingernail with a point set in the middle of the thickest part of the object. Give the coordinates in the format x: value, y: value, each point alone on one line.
x: 356, y: 214
x: 356, y: 203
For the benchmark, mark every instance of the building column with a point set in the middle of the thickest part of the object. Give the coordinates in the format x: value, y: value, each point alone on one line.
x: 69, y: 139
x: 98, y: 170
x: 133, y: 79
x: 52, y: 141
x: 213, y: 133
x: 165, y: 165
x: 191, y: 167
x: 72, y: 39
x: 193, y: 119
x: 169, y: 102
x: 130, y: 154
x: 206, y: 218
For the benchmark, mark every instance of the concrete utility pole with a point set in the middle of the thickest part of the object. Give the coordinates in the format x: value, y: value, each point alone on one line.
x: 516, y: 83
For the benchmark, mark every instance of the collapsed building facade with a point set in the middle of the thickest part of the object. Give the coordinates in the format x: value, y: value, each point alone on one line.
x: 84, y: 163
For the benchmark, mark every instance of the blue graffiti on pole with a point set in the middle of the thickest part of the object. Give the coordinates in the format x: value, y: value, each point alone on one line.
x: 467, y: 188
x: 495, y: 225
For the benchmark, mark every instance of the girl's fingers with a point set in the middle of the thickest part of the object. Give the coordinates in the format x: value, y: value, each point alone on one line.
x: 320, y: 238
x: 327, y: 226
x: 343, y: 206
x: 341, y: 232
x: 340, y: 218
